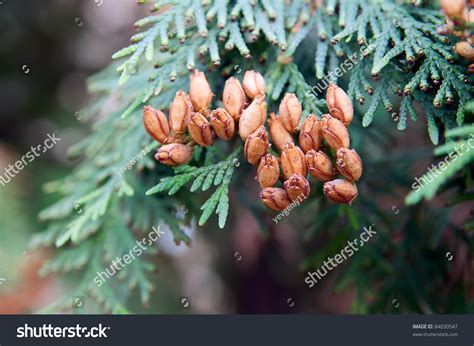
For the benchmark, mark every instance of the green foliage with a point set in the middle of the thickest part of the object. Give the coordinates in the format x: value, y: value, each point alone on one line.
x: 419, y: 59
x: 203, y: 178
x: 460, y: 153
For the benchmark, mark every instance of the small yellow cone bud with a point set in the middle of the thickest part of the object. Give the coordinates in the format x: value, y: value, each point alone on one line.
x: 254, y: 84
x: 234, y: 97
x: 339, y: 104
x: 349, y: 164
x: 156, y: 124
x: 290, y: 112
x: 252, y: 117
x: 279, y: 134
x: 340, y: 191
x: 453, y: 8
x: 180, y: 110
x: 200, y: 92
x: 311, y: 135
x: 256, y: 145
x: 268, y: 171
x: 200, y: 130
x: 320, y: 165
x: 174, y: 154
x: 223, y: 124
x: 465, y: 50
x: 297, y: 187
x: 293, y: 161
x: 334, y: 132
x: 275, y: 198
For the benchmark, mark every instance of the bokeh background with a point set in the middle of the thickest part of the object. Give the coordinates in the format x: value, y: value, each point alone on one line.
x: 47, y: 51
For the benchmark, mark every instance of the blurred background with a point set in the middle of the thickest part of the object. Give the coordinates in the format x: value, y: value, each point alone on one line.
x: 48, y: 50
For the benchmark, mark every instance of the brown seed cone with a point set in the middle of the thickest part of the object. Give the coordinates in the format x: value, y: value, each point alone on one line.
x: 264, y: 107
x: 340, y: 191
x: 174, y: 154
x: 465, y: 50
x: 254, y: 84
x: 469, y: 16
x: 234, y: 97
x: 290, y: 112
x: 293, y: 161
x: 223, y: 124
x: 278, y: 132
x: 200, y: 92
x: 275, y: 198
x: 252, y: 117
x: 178, y: 137
x: 297, y: 187
x: 256, y: 145
x: 156, y: 124
x: 200, y: 130
x: 268, y: 171
x: 334, y: 132
x: 180, y: 110
x: 320, y: 165
x: 453, y: 8
x: 349, y: 164
x: 339, y: 104
x: 311, y: 135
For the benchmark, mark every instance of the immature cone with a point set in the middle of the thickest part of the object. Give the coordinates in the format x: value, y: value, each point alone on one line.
x: 223, y: 124
x: 200, y: 92
x: 234, y: 97
x: 156, y: 124
x: 340, y: 191
x: 339, y: 104
x: 453, y: 8
x: 290, y: 112
x: 465, y: 50
x: 252, y: 117
x: 293, y: 161
x: 297, y: 187
x: 311, y: 135
x: 174, y: 154
x: 254, y: 84
x: 349, y: 164
x: 180, y: 110
x: 256, y: 145
x: 334, y: 132
x: 268, y: 171
x: 320, y: 165
x: 275, y: 198
x: 278, y: 132
x: 200, y: 130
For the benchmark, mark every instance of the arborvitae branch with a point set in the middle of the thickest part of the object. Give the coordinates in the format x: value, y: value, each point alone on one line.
x: 405, y: 53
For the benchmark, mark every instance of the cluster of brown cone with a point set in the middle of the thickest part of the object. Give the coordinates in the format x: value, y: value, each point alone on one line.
x: 245, y: 112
